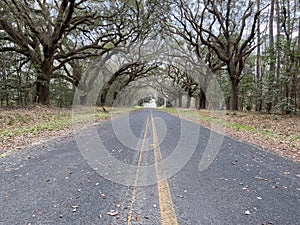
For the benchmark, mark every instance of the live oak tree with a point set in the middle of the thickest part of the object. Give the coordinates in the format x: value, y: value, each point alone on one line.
x: 53, y: 34
x: 227, y: 28
x: 123, y: 77
x: 181, y: 32
x: 46, y: 47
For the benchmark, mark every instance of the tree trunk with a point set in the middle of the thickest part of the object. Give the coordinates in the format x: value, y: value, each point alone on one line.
x: 43, y: 81
x: 278, y: 48
x: 83, y: 99
x: 180, y: 100
x: 270, y: 96
x: 297, y: 100
x: 42, y: 90
x: 202, y: 99
x: 234, y: 94
x: 104, y: 91
x: 258, y: 104
x: 188, y: 103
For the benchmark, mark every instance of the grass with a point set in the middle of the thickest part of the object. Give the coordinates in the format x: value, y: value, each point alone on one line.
x: 20, y: 127
x: 205, y: 115
x: 241, y: 126
x: 20, y: 124
x: 34, y: 121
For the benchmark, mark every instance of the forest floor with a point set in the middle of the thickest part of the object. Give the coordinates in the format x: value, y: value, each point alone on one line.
x: 274, y: 132
x: 24, y: 126
x: 279, y: 133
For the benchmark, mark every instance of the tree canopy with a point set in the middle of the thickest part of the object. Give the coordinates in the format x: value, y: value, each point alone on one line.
x: 252, y: 47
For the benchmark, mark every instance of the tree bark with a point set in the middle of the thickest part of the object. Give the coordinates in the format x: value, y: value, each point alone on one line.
x: 270, y: 96
x: 234, y: 94
x: 43, y: 81
x: 202, y: 99
x: 258, y: 104
x: 180, y: 100
x: 42, y: 90
x: 83, y: 99
x: 278, y: 39
x: 188, y: 103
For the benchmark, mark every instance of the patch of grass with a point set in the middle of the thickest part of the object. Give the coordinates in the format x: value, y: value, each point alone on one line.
x: 49, y: 122
x: 169, y: 109
x: 278, y: 133
x: 294, y: 138
x: 241, y: 126
x: 102, y: 115
x: 266, y: 131
x: 270, y: 133
x: 5, y: 133
x: 207, y: 117
x: 11, y: 121
x: 21, y: 118
x: 136, y: 107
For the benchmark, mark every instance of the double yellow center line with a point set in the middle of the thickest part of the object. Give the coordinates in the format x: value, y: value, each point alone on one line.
x: 167, y: 211
x: 129, y: 219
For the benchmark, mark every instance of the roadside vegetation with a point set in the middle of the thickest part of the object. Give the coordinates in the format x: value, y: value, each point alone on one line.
x: 22, y: 126
x: 275, y: 132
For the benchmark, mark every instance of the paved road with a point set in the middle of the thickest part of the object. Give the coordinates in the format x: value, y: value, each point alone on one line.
x: 53, y: 183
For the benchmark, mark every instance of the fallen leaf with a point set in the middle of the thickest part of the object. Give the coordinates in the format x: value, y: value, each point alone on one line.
x: 112, y: 213
x: 74, y: 208
x: 103, y: 196
x: 247, y: 212
x: 137, y: 217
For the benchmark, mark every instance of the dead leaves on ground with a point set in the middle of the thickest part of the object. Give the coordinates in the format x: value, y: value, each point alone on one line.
x: 278, y: 133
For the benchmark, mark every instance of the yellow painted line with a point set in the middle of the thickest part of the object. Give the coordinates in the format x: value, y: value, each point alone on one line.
x: 129, y: 219
x: 167, y: 211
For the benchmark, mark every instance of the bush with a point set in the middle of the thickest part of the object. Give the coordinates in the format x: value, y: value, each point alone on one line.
x: 286, y: 106
x: 248, y: 107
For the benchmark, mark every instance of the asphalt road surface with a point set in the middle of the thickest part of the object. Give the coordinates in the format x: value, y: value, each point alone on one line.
x: 64, y: 181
